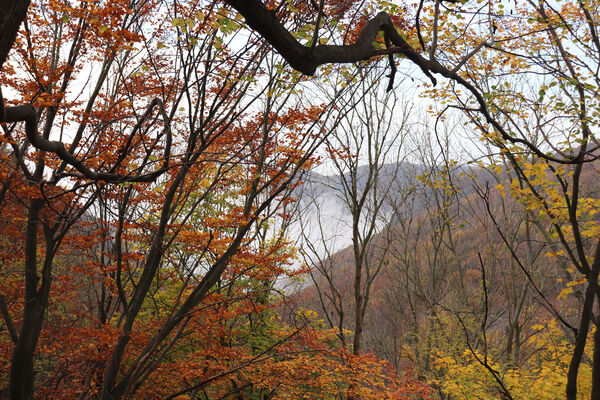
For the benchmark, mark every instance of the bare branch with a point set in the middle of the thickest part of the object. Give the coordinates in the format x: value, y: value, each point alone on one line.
x: 468, y: 57
x: 8, y: 320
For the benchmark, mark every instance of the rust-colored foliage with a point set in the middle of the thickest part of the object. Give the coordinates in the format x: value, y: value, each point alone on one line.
x: 158, y: 279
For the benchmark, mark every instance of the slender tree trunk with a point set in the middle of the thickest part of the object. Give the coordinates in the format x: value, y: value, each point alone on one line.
x: 596, y: 365
x: 358, y: 308
x: 586, y: 316
x: 21, y: 370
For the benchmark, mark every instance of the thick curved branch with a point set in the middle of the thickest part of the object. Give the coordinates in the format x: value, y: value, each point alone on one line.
x: 28, y: 114
x: 307, y: 59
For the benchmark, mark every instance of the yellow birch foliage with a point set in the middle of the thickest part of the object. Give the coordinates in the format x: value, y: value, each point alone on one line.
x: 542, y: 376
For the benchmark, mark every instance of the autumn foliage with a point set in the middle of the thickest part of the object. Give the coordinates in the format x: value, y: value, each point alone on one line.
x: 141, y: 262
x: 151, y: 160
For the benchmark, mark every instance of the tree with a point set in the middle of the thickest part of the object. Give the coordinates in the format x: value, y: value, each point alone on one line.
x: 365, y: 154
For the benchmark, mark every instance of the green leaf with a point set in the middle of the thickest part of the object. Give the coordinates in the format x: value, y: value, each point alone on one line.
x: 178, y: 22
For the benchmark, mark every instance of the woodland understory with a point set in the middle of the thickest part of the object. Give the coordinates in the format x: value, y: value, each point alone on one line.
x: 299, y: 199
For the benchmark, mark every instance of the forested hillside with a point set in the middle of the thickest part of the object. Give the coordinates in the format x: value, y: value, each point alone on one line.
x: 464, y: 273
x: 299, y: 199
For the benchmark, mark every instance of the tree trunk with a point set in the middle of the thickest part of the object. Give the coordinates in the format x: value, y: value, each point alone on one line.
x: 586, y: 316
x: 596, y: 365
x: 12, y: 13
x: 21, y: 371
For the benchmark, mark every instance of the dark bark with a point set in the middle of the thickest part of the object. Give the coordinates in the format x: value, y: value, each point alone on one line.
x: 21, y: 372
x: 38, y: 281
x: 358, y: 307
x: 596, y: 364
x: 307, y: 59
x: 302, y: 58
x: 582, y: 333
x: 28, y: 114
x: 8, y: 320
x: 12, y: 13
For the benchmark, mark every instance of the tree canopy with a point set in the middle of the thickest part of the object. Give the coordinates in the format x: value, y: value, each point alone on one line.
x: 152, y: 155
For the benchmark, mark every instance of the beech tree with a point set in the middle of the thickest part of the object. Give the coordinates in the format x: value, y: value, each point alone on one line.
x: 365, y: 154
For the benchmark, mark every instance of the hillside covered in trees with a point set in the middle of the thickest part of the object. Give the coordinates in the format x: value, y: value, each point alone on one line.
x: 322, y: 199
